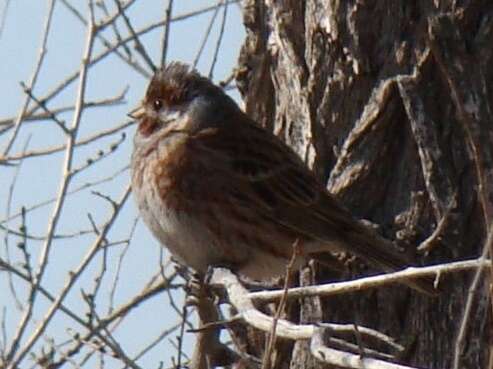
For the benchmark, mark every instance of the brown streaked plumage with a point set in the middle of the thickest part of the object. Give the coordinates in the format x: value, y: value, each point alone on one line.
x: 216, y: 189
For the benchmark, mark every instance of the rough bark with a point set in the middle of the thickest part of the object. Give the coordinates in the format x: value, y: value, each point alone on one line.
x: 390, y: 103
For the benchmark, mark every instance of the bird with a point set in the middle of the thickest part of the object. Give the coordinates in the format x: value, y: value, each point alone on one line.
x: 216, y: 189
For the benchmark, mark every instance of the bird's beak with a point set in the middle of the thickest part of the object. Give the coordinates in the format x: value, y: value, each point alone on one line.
x: 137, y: 113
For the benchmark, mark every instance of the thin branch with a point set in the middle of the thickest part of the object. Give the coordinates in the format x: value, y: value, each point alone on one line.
x: 138, y: 45
x: 114, y: 27
x: 99, y: 156
x: 370, y: 282
x: 67, y: 166
x: 69, y: 80
x: 110, y: 20
x: 10, y: 195
x: 466, y: 316
x: 239, y: 298
x: 81, y: 142
x: 49, y: 296
x: 166, y: 33
x: 156, y: 341
x: 29, y: 306
x: 132, y: 63
x: 206, y: 35
x: 43, y: 106
x: 208, y: 351
x: 149, y: 292
x: 116, y: 100
x: 183, y: 320
x: 34, y: 77
x: 73, y: 276
x: 219, y: 39
x: 108, y: 339
x: 267, y: 363
x: 472, y: 102
x: 345, y: 359
x: 71, y: 192
x: 3, y: 18
x: 429, y: 243
x: 122, y: 255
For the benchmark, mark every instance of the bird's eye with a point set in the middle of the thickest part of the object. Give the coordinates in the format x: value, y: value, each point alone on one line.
x: 157, y: 104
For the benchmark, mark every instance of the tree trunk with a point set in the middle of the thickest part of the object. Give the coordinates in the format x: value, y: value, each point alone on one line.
x: 390, y: 103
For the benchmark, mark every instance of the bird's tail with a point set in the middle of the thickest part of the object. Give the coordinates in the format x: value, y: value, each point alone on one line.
x: 381, y: 253
x: 366, y: 244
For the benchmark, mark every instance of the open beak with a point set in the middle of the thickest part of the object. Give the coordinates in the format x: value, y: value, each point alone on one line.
x: 137, y: 113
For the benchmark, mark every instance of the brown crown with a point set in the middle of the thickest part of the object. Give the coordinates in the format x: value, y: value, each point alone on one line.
x: 176, y: 83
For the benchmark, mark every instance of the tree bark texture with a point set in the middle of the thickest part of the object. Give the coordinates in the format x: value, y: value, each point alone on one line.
x: 390, y: 103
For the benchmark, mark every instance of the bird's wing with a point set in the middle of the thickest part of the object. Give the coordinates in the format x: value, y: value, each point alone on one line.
x: 280, y: 187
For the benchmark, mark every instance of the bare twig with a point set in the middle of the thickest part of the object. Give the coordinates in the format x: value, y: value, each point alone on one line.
x: 114, y: 27
x: 157, y: 340
x: 166, y: 33
x: 81, y: 142
x: 132, y: 63
x: 116, y: 100
x: 10, y: 195
x: 466, y: 316
x: 345, y: 359
x: 43, y: 106
x: 138, y: 45
x: 219, y: 39
x: 71, y: 78
x: 181, y: 335
x: 108, y: 339
x: 34, y: 77
x: 100, y: 155
x: 25, y: 210
x: 435, y: 237
x: 67, y: 159
x: 209, y: 352
x: 206, y: 35
x: 239, y: 297
x: 3, y: 19
x: 43, y: 260
x: 149, y: 292
x: 73, y: 276
x: 370, y: 282
x: 119, y: 266
x: 267, y: 363
x: 473, y: 104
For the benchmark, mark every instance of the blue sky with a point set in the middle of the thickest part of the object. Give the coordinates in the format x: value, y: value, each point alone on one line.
x: 38, y: 178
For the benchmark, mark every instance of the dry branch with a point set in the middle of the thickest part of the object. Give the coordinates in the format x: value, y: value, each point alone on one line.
x: 240, y: 299
x: 371, y: 282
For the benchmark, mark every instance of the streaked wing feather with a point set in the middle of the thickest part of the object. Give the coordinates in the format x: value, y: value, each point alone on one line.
x: 285, y: 191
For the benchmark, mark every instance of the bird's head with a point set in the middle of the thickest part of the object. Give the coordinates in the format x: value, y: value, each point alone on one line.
x: 179, y: 99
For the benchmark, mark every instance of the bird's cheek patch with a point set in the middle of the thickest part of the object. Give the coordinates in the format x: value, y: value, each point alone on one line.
x: 147, y: 126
